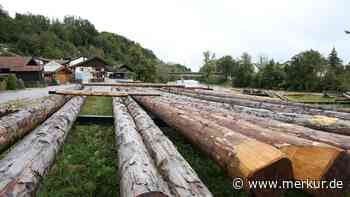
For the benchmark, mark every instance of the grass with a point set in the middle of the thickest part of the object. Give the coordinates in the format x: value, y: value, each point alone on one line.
x: 86, y: 165
x: 98, y: 106
x: 311, y: 98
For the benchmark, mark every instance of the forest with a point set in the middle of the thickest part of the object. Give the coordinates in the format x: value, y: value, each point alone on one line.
x: 37, y: 35
x: 306, y: 71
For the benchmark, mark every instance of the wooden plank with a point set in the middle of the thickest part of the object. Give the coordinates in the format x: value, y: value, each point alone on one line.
x: 100, y: 93
x: 150, y: 85
x: 94, y: 119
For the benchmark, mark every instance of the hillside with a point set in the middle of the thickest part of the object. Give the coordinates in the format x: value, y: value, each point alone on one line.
x: 37, y: 35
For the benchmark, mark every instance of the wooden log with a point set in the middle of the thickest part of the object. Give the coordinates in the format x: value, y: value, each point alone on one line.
x: 22, y: 169
x: 182, y: 179
x: 148, y: 85
x: 100, y: 93
x: 139, y: 176
x: 319, y: 122
x: 238, y: 155
x: 18, y: 124
x: 294, y: 108
x: 263, y: 120
x: 310, y: 160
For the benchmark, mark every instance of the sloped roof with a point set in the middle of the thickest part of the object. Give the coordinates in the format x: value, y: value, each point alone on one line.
x: 52, y: 66
x: 88, y: 61
x: 19, y: 63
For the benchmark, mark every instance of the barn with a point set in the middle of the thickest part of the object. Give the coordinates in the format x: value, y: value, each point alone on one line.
x: 28, y: 69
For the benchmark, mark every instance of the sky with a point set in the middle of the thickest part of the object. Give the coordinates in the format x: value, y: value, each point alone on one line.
x: 181, y: 30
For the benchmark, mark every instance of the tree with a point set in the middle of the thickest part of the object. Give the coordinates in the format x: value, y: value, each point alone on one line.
x: 271, y: 76
x: 305, y: 71
x: 242, y: 75
x: 225, y: 65
x: 335, y: 62
x: 209, y: 67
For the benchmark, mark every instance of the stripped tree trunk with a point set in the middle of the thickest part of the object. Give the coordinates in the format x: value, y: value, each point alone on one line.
x: 182, y: 179
x: 288, y: 108
x: 237, y: 154
x: 24, y: 166
x: 310, y: 160
x: 18, y: 124
x: 139, y: 176
x: 263, y: 120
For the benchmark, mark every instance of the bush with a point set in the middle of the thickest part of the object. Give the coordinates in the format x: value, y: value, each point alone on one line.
x: 54, y: 82
x: 3, y: 85
x: 12, y: 82
x: 20, y: 84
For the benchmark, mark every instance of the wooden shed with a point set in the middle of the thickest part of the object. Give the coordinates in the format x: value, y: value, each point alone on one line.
x: 58, y: 72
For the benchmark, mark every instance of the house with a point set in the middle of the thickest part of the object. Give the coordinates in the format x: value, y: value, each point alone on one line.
x: 90, y: 70
x: 58, y: 72
x: 122, y: 73
x: 28, y: 69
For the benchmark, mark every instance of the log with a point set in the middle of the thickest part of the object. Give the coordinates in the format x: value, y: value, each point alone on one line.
x: 310, y: 160
x: 22, y: 169
x: 145, y: 85
x: 226, y: 110
x: 138, y: 174
x: 16, y: 125
x: 319, y: 122
x: 288, y: 108
x: 182, y: 179
x: 238, y: 155
x: 100, y: 93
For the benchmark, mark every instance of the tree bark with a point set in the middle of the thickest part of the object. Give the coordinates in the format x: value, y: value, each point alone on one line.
x: 310, y: 160
x: 99, y: 93
x: 18, y: 124
x: 237, y: 154
x: 332, y: 126
x: 22, y: 169
x: 182, y: 179
x: 282, y: 107
x: 139, y: 176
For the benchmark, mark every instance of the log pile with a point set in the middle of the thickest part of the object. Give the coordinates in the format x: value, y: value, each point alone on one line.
x: 18, y: 124
x: 304, y: 115
x: 101, y: 93
x: 139, y: 176
x: 22, y: 169
x: 239, y: 155
x: 182, y: 179
x: 315, y: 155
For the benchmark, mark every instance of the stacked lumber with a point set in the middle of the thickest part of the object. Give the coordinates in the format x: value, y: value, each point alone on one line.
x: 311, y: 160
x: 17, y: 124
x: 182, y: 179
x: 22, y: 169
x: 237, y: 154
x: 139, y: 175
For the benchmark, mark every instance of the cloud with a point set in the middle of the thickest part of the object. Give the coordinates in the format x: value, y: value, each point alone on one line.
x: 180, y: 30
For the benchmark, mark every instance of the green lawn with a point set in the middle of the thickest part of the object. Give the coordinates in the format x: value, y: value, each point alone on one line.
x: 98, y: 106
x: 87, y: 164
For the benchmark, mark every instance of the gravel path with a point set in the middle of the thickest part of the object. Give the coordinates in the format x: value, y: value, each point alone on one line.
x: 29, y: 93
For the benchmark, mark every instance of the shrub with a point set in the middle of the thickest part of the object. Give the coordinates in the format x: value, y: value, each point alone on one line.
x: 20, y: 84
x: 3, y: 85
x: 54, y: 82
x: 12, y: 82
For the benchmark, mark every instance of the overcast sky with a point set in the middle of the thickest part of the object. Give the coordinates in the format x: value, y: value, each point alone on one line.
x: 180, y: 30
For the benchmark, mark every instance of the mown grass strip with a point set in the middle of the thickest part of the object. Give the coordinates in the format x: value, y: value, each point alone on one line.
x: 87, y: 164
